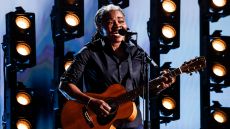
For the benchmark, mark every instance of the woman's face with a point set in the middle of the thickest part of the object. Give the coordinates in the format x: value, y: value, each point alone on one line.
x: 112, y: 22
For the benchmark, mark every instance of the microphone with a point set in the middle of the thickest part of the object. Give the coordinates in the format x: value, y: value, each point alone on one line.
x: 125, y: 32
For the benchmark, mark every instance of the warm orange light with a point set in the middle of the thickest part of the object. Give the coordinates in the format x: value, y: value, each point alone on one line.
x: 169, y: 103
x: 67, y: 64
x: 219, y: 3
x: 169, y: 6
x: 22, y: 22
x: 23, y: 98
x: 219, y: 70
x: 23, y: 124
x: 219, y: 45
x: 72, y: 19
x: 220, y: 116
x: 168, y: 31
x: 23, y: 49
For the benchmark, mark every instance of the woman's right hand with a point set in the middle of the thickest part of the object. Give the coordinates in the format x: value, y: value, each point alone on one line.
x: 100, y: 107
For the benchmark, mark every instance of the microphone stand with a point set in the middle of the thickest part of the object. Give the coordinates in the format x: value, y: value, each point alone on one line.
x: 147, y: 60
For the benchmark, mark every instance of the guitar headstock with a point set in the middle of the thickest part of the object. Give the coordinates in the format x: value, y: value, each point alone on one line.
x: 194, y: 65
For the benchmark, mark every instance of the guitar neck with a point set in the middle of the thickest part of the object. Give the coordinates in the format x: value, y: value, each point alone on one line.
x: 154, y: 87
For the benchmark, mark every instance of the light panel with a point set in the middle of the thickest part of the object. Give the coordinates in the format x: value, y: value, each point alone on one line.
x: 67, y: 19
x: 19, y: 41
x: 169, y: 25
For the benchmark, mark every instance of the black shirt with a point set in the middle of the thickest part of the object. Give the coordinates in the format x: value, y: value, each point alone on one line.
x: 96, y: 67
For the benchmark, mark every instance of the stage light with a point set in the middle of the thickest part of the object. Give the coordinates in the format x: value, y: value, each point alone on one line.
x: 23, y: 22
x: 168, y: 106
x: 23, y: 95
x: 67, y: 64
x: 219, y: 73
x: 169, y: 102
x: 23, y: 107
x: 215, y: 48
x: 23, y: 49
x: 67, y: 19
x: 169, y: 23
x: 68, y: 59
x: 122, y: 3
x: 219, y: 45
x: 217, y: 5
x: 168, y: 31
x: 23, y: 98
x: 72, y: 19
x: 219, y: 116
x: 19, y: 42
x: 219, y: 70
x: 73, y: 24
x: 218, y: 55
x: 23, y: 124
x: 218, y: 9
x: 169, y: 6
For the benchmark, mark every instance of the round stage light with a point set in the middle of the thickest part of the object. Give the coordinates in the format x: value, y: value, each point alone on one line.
x: 22, y: 22
x: 72, y: 19
x: 219, y: 70
x: 168, y: 103
x: 219, y: 3
x: 23, y: 124
x: 219, y: 45
x: 220, y: 116
x: 168, y: 31
x: 23, y: 98
x: 67, y: 64
x: 169, y: 6
x: 23, y: 49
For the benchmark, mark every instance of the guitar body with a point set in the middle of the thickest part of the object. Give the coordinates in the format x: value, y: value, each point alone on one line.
x: 75, y: 116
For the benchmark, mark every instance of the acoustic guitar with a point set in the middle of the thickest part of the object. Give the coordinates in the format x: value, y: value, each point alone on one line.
x: 76, y: 116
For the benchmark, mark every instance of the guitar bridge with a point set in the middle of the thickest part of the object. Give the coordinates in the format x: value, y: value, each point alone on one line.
x: 87, y: 117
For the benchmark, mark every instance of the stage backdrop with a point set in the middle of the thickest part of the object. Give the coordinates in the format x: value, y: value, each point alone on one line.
x: 40, y: 77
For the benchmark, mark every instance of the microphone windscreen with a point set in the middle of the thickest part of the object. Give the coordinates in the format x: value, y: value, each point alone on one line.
x: 122, y: 32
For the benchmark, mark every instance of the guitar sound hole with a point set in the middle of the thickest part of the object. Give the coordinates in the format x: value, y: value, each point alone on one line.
x: 113, y: 106
x: 105, y: 120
